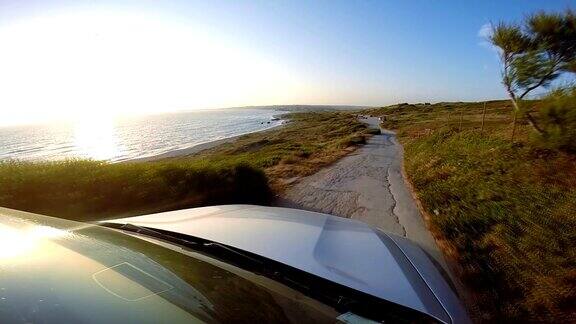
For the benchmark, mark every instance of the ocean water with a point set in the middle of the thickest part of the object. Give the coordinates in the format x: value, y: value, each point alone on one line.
x: 129, y: 138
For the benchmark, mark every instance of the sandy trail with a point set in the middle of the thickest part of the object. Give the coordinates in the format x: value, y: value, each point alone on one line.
x: 367, y: 185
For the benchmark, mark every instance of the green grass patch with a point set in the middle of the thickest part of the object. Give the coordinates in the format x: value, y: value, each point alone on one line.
x: 504, y: 210
x: 89, y: 190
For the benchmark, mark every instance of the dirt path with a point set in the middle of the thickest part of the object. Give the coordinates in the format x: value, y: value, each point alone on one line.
x: 367, y: 185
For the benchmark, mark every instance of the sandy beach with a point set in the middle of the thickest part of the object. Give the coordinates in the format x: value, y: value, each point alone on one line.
x: 198, y: 148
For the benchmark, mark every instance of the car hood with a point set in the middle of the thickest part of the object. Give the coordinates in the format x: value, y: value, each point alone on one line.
x: 60, y: 271
x: 345, y: 251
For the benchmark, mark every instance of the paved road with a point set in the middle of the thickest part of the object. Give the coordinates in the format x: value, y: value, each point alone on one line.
x: 367, y: 185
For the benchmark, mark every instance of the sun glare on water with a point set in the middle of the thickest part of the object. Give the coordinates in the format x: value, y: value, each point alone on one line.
x: 95, y: 138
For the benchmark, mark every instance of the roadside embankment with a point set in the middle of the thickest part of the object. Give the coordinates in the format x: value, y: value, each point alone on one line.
x: 504, y: 210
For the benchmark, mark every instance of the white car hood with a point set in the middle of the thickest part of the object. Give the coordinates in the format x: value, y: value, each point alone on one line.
x: 344, y: 251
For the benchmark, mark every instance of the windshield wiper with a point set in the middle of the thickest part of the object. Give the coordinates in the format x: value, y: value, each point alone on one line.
x: 146, y: 231
x: 211, y: 248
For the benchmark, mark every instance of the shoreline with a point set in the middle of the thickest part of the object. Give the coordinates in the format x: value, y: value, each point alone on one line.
x: 195, y: 149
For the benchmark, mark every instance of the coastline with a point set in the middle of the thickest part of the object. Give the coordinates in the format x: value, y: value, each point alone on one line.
x: 195, y: 149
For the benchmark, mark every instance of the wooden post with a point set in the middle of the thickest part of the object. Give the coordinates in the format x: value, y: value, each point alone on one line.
x: 483, y: 117
x: 514, y: 125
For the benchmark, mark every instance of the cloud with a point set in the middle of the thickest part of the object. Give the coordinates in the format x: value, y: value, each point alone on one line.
x: 485, y: 31
x: 484, y: 34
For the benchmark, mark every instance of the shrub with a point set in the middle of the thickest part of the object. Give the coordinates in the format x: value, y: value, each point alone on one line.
x: 88, y: 190
x: 352, y: 140
x: 558, y: 119
x: 373, y: 131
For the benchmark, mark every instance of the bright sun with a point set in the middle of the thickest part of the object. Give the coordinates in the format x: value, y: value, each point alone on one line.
x: 62, y: 66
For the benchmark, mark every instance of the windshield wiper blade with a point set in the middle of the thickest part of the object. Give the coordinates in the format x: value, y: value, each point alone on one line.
x: 147, y: 231
x: 211, y: 248
x: 230, y: 250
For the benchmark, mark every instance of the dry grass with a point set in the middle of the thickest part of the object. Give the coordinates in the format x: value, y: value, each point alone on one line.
x: 506, y: 209
x: 303, y: 146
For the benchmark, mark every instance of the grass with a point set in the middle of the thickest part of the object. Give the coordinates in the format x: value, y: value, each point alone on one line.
x: 307, y: 143
x: 241, y: 172
x: 89, y: 190
x: 504, y: 211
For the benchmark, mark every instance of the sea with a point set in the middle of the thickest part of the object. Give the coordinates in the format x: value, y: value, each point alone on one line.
x: 121, y: 139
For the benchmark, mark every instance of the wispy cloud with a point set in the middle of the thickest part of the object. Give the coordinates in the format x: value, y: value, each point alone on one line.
x: 485, y: 31
x: 484, y: 34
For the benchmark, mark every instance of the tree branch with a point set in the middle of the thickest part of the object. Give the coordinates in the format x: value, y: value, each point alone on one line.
x: 514, y: 99
x: 542, y: 80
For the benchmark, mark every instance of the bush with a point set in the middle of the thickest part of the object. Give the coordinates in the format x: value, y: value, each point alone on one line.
x: 88, y: 190
x: 558, y: 119
x: 352, y: 140
x: 373, y: 131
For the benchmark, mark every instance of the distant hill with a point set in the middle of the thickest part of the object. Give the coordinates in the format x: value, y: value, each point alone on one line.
x: 307, y: 108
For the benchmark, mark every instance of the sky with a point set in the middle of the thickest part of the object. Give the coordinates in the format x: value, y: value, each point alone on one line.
x: 83, y: 59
